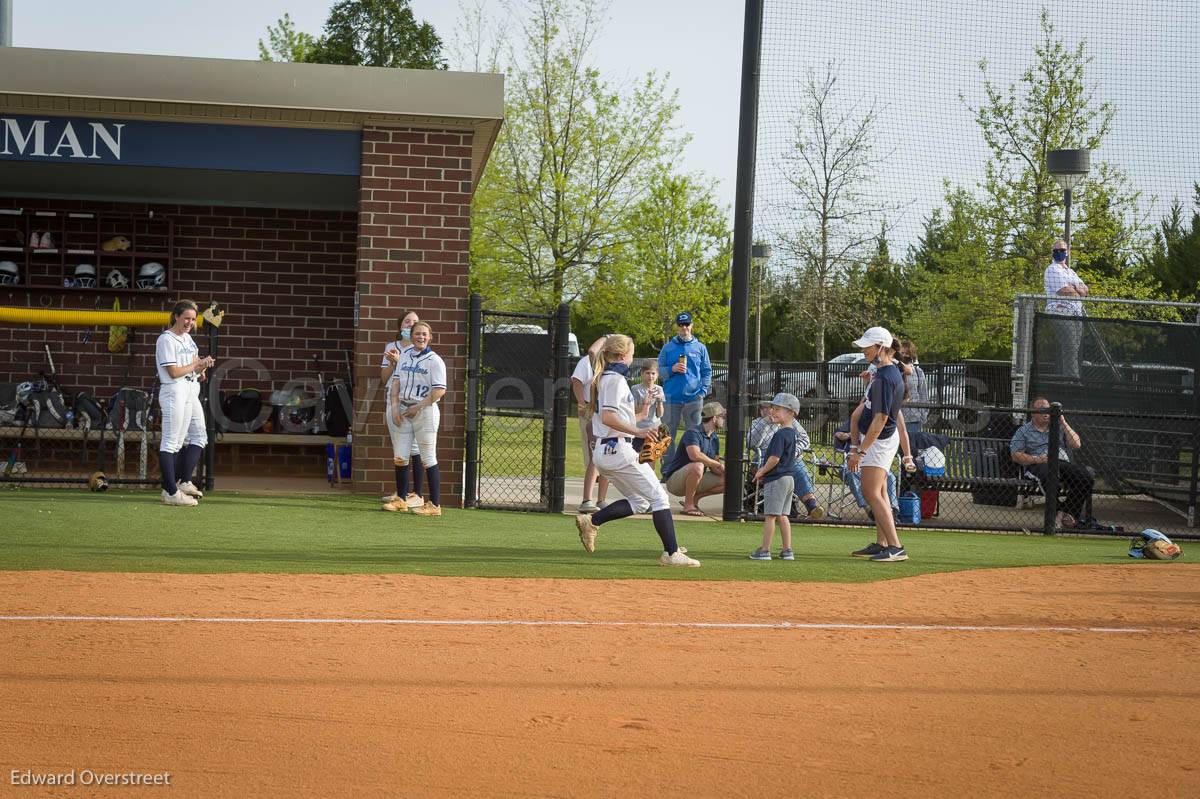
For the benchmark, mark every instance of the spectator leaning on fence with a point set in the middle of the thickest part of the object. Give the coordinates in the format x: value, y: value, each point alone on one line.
x: 1030, y: 447
x: 696, y: 471
x: 687, y: 379
x: 1061, y: 281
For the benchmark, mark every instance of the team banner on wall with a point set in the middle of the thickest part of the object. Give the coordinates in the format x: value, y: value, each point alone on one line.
x: 179, y: 145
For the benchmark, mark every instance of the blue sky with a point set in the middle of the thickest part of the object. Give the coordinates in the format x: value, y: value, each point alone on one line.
x: 914, y: 57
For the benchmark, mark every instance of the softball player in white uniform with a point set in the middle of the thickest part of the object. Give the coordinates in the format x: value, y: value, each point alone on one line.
x: 389, y: 370
x: 615, y: 426
x: 180, y: 371
x: 418, y: 384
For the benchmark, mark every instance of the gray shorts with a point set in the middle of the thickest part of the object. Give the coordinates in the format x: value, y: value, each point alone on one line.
x: 777, y: 496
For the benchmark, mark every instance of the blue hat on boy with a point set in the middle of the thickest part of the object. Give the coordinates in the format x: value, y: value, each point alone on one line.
x: 684, y: 318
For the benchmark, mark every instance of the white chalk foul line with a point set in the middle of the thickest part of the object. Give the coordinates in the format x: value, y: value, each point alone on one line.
x: 700, y: 625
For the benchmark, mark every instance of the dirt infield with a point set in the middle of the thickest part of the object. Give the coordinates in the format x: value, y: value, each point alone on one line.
x: 337, y: 709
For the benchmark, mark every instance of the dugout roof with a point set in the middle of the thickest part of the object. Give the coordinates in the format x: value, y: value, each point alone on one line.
x: 155, y: 128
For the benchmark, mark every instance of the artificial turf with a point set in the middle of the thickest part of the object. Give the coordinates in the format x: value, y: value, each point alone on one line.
x: 127, y: 531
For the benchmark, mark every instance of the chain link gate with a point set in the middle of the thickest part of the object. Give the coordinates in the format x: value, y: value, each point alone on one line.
x: 518, y: 383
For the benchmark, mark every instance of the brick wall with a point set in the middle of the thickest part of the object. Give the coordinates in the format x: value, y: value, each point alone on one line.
x: 413, y: 236
x: 286, y: 277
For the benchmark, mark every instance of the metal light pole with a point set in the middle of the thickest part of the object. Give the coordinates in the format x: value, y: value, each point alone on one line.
x: 5, y: 23
x: 743, y: 229
x: 1068, y: 168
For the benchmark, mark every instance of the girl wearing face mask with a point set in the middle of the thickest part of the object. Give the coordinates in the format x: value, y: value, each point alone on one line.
x: 387, y: 372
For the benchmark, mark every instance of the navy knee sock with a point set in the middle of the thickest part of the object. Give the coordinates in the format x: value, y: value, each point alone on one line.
x: 191, y: 457
x: 416, y: 474
x: 434, y: 473
x: 166, y: 465
x: 664, y: 525
x: 401, y: 472
x: 616, y: 510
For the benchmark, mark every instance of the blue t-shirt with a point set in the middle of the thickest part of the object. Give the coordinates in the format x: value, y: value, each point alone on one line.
x: 709, y: 445
x: 885, y: 395
x: 783, y: 446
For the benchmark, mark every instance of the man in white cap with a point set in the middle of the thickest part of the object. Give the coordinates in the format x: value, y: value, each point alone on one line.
x: 879, y: 442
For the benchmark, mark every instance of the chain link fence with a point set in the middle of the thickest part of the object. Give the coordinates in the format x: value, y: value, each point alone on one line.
x: 1113, y: 473
x: 518, y: 387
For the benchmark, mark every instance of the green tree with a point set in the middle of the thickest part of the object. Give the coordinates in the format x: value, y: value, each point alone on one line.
x: 956, y: 282
x: 964, y: 279
x: 884, y: 284
x: 371, y: 33
x: 678, y: 260
x: 1174, y: 259
x: 286, y: 43
x: 574, y: 157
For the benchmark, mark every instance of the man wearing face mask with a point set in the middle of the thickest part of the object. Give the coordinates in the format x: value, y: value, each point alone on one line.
x: 1061, y: 282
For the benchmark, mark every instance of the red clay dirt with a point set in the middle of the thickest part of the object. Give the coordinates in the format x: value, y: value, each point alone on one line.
x: 318, y: 710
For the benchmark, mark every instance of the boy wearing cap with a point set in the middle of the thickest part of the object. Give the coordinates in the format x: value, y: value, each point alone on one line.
x: 776, y: 477
x: 879, y: 443
x: 687, y: 379
x: 696, y: 470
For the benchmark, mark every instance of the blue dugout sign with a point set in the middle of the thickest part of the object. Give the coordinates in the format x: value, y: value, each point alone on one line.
x: 179, y: 145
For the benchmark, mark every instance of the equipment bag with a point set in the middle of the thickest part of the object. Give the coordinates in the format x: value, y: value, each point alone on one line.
x: 8, y: 403
x: 88, y: 413
x: 241, y: 411
x: 51, y: 408
x: 338, y: 409
x: 129, y: 409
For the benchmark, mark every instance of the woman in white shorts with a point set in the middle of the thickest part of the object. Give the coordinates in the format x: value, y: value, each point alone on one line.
x: 879, y: 442
x: 180, y: 371
x: 387, y: 372
x: 614, y: 424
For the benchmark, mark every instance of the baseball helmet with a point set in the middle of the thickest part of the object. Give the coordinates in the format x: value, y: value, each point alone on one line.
x: 151, y: 276
x: 85, y: 276
x: 117, y: 280
x: 9, y: 274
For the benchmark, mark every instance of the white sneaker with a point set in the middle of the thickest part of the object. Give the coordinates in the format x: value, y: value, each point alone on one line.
x: 678, y: 559
x: 391, y: 498
x: 587, y: 506
x: 587, y: 531
x: 414, y: 501
x: 178, y: 498
x: 191, y: 490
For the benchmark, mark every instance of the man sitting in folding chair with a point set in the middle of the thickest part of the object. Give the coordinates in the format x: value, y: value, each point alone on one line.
x: 853, y: 480
x: 1030, y: 447
x: 761, y: 430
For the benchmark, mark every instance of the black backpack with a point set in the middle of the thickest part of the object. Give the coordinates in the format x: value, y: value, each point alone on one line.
x: 88, y: 413
x: 338, y: 409
x: 8, y: 403
x: 129, y: 409
x: 50, y: 407
x: 241, y: 411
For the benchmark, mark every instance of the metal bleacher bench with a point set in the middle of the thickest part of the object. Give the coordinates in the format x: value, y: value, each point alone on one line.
x: 975, y: 464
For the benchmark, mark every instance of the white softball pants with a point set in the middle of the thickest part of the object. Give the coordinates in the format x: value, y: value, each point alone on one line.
x: 182, y: 416
x: 636, y: 481
x: 415, y: 436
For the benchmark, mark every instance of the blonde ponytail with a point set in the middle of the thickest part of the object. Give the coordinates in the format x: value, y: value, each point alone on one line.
x: 616, y: 347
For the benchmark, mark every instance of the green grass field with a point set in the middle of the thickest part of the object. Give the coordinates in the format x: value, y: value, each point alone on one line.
x: 131, y: 532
